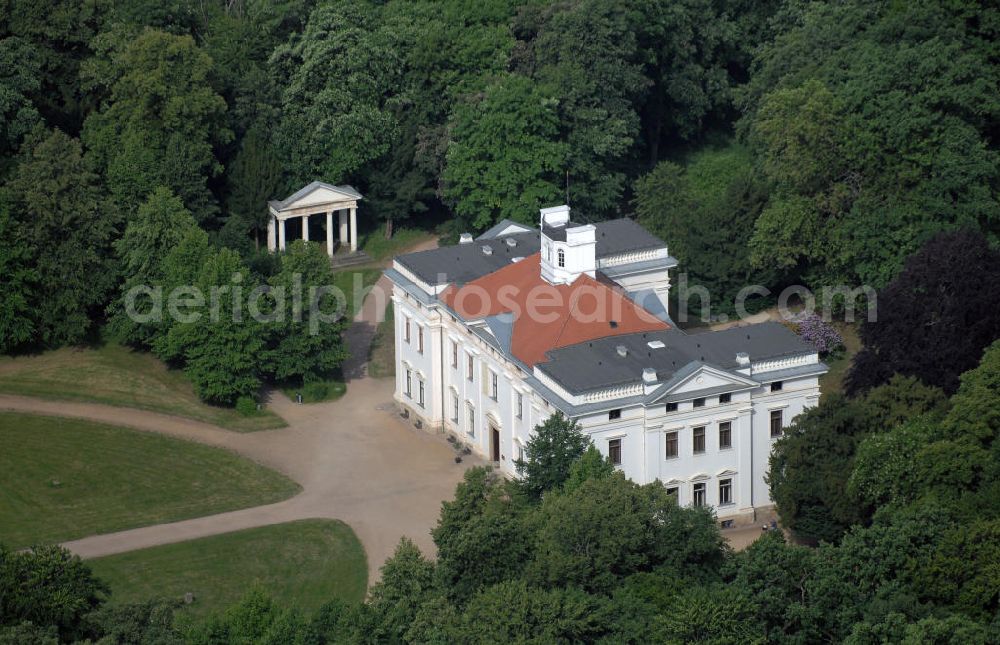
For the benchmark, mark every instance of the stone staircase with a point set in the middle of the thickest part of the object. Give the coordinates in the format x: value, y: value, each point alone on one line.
x: 348, y: 259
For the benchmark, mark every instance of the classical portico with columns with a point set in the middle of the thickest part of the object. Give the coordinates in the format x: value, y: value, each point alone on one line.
x: 310, y: 211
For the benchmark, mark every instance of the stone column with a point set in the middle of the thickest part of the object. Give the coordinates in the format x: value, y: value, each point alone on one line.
x: 354, y: 228
x: 342, y: 214
x: 329, y: 233
x: 272, y: 242
x: 281, y: 235
x: 305, y: 228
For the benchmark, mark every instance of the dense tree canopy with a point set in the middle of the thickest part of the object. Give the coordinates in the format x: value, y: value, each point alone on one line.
x: 875, y: 124
x: 783, y: 141
x: 159, y: 121
x: 935, y: 318
x: 63, y: 222
x: 812, y: 462
x: 550, y: 454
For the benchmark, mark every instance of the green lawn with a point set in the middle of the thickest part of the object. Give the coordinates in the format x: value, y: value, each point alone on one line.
x: 378, y: 248
x: 382, y: 354
x: 116, y: 375
x: 300, y: 564
x: 352, y: 282
x: 62, y: 479
x: 833, y: 381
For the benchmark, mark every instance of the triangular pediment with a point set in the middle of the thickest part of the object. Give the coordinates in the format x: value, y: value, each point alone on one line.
x: 318, y: 193
x: 697, y: 377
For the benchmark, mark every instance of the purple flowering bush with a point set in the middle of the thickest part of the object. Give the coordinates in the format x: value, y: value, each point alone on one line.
x: 819, y: 334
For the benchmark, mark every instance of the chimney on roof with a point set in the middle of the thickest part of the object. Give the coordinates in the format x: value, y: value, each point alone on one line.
x: 649, y: 380
x: 622, y: 350
x: 743, y: 359
x: 465, y: 238
x: 555, y: 216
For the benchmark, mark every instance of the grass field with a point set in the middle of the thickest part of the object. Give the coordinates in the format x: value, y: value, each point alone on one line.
x: 116, y: 375
x: 833, y: 381
x: 382, y: 354
x: 302, y: 564
x: 62, y: 479
x: 352, y: 282
x: 378, y: 248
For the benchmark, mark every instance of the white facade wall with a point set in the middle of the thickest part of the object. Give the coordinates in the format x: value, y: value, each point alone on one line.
x: 445, y: 380
x: 642, y: 430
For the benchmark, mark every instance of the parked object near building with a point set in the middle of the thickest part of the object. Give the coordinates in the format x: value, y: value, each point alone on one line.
x: 497, y: 333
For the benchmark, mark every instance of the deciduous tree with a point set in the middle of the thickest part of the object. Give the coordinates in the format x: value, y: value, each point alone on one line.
x: 504, y: 159
x: 550, y: 454
x: 935, y: 318
x: 64, y: 221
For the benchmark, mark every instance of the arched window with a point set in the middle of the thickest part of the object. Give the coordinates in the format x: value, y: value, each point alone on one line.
x: 562, y: 258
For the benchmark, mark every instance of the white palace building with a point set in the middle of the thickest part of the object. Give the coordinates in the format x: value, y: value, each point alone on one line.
x: 497, y: 333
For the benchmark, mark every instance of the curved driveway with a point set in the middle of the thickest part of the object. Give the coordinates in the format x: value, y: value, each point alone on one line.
x: 356, y: 459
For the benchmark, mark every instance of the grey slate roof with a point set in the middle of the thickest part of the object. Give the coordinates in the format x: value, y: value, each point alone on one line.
x: 463, y: 263
x: 305, y: 190
x: 624, y: 235
x: 558, y: 233
x: 501, y: 226
x: 502, y: 326
x: 597, y: 365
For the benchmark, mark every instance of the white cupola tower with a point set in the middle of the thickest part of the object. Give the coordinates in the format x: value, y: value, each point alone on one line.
x: 568, y: 249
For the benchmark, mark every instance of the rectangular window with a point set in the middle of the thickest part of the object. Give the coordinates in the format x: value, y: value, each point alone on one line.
x: 469, y: 371
x: 614, y: 414
x: 494, y: 386
x: 777, y: 423
x: 672, y: 407
x: 420, y: 339
x: 725, y: 435
x: 471, y: 429
x: 454, y: 407
x: 454, y: 354
x: 671, y: 440
x: 776, y: 386
x: 698, y: 496
x: 698, y: 436
x: 699, y: 403
x: 406, y: 330
x: 409, y: 383
x: 520, y: 405
x: 615, y: 451
x: 725, y: 398
x: 725, y: 492
x: 420, y: 392
x: 672, y: 492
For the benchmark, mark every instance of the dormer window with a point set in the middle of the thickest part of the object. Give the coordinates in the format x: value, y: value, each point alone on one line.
x: 562, y: 258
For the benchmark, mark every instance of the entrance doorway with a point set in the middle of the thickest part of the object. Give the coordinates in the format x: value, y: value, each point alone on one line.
x: 494, y: 443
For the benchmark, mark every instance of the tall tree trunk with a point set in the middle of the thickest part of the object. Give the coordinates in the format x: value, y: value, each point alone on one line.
x: 388, y: 228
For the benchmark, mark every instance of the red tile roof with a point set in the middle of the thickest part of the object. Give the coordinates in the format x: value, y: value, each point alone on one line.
x: 549, y: 316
